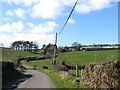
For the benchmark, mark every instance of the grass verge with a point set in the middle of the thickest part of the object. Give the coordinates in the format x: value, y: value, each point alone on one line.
x: 58, y: 81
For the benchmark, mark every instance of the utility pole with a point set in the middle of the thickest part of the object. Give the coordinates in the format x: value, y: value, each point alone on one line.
x: 54, y: 62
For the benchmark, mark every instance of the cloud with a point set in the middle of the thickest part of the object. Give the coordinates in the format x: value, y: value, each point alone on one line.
x: 16, y: 12
x: 31, y: 25
x: 41, y: 33
x: 39, y: 38
x: 12, y: 27
x: 47, y: 9
x: 67, y: 2
x: 25, y: 2
x: 114, y: 0
x: 71, y: 21
x: 19, y: 12
x: 7, y: 19
x: 45, y: 28
x: 51, y: 9
x: 92, y: 5
x: 9, y: 13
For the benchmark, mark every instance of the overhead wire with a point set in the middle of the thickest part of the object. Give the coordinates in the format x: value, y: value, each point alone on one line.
x: 62, y: 30
x: 68, y: 17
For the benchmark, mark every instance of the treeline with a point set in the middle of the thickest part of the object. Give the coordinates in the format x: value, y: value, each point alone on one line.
x: 24, y: 45
x: 79, y: 47
x: 75, y: 46
x: 49, y: 49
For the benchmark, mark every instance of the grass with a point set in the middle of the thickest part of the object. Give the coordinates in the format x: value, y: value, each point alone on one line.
x: 74, y: 58
x: 55, y: 77
x: 11, y: 55
x: 39, y: 63
x: 77, y: 57
x: 71, y: 58
x: 87, y: 57
x: 57, y: 81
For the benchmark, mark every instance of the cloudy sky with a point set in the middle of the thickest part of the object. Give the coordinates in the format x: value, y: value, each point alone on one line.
x: 93, y: 21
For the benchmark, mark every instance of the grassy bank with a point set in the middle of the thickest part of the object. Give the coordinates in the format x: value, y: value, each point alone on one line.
x: 58, y: 81
x: 10, y: 55
x: 55, y: 76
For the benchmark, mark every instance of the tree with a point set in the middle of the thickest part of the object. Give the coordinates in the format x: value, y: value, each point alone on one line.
x: 48, y: 51
x: 27, y: 45
x: 35, y: 47
x: 44, y: 46
x: 24, y: 45
x: 66, y: 49
x: 15, y: 45
x: 76, y: 46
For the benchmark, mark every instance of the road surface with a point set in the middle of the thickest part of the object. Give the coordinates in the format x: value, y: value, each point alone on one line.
x: 37, y: 80
x: 32, y: 79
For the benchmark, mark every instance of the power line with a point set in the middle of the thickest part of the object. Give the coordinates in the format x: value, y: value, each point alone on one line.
x: 61, y: 31
x: 68, y: 17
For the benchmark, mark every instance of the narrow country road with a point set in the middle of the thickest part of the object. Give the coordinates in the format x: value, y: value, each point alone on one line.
x: 38, y: 80
x: 31, y: 79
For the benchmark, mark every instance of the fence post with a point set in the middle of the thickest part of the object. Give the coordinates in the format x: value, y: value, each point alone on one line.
x: 76, y: 70
x: 81, y: 72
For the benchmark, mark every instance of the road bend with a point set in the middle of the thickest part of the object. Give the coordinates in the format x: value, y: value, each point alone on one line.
x: 37, y: 80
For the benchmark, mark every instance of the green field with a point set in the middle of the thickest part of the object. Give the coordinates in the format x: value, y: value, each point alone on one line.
x: 71, y: 58
x: 10, y: 55
x: 86, y: 57
x: 74, y: 58
x: 77, y: 57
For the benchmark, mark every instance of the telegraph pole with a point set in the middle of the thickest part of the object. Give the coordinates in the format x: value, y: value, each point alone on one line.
x: 61, y: 32
x: 54, y: 54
